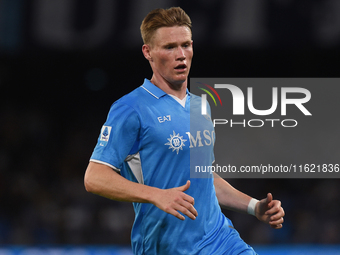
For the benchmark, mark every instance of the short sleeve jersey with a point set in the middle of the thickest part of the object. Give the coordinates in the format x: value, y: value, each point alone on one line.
x: 152, y: 139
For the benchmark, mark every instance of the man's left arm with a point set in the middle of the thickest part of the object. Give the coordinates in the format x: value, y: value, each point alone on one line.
x: 267, y: 210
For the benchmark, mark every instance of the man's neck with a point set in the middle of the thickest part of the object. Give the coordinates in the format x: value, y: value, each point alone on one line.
x: 178, y: 90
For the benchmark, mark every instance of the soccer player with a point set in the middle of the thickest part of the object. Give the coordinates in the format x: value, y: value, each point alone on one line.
x: 145, y: 148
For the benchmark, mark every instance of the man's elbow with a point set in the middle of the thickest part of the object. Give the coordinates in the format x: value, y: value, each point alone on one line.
x: 89, y: 187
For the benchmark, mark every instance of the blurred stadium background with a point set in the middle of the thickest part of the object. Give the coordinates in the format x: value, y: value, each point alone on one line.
x: 63, y: 63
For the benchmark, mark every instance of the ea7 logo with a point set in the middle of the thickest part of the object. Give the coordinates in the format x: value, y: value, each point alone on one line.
x: 238, y: 100
x: 161, y: 119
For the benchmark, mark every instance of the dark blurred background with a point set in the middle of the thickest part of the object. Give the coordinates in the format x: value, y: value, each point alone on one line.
x: 64, y: 62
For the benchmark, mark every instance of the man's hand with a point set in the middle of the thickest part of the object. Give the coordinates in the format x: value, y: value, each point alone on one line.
x: 174, y: 200
x: 270, y: 211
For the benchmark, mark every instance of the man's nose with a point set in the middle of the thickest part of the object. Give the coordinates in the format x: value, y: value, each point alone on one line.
x: 180, y: 53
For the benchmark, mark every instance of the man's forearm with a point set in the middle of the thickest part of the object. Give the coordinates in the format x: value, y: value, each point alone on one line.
x: 104, y: 181
x: 229, y: 197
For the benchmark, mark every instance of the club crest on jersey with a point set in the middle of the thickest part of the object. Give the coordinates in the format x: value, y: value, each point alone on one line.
x: 176, y: 142
x: 105, y: 135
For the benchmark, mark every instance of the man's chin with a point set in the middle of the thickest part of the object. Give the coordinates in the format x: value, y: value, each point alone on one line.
x: 178, y: 84
x: 180, y: 79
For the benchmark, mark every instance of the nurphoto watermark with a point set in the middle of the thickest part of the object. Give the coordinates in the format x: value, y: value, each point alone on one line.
x: 267, y: 127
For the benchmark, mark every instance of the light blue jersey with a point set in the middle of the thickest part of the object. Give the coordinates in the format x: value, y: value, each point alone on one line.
x: 151, y: 139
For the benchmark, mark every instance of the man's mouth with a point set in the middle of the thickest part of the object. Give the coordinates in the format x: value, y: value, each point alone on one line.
x: 181, y: 67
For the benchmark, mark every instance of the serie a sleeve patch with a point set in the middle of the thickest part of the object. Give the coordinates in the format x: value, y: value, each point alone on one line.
x: 105, y: 135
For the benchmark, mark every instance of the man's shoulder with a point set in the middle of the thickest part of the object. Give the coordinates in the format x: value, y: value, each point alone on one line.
x: 131, y: 97
x: 195, y: 99
x: 144, y: 95
x: 128, y: 106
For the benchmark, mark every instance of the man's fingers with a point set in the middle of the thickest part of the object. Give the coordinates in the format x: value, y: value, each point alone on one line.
x: 276, y: 226
x: 271, y: 212
x: 184, y: 187
x: 276, y: 222
x: 269, y: 198
x: 187, y: 210
x: 189, y: 199
x: 176, y: 214
x: 272, y: 205
x: 186, y: 197
x: 275, y: 209
x: 277, y: 216
x: 190, y: 209
x: 178, y: 209
x: 178, y: 203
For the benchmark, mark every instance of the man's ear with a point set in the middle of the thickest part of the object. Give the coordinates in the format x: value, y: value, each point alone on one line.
x: 146, y: 52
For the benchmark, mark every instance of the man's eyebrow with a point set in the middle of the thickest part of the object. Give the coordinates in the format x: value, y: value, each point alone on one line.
x: 188, y: 41
x: 170, y: 44
x: 175, y: 43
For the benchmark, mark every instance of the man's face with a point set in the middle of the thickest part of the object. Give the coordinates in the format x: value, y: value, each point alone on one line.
x: 171, y: 53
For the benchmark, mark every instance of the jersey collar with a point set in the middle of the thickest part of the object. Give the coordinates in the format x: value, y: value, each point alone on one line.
x: 154, y: 90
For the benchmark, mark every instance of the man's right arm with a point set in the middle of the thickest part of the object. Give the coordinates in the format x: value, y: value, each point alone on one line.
x: 102, y: 180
